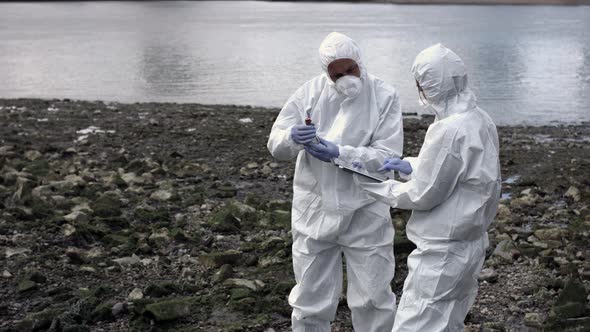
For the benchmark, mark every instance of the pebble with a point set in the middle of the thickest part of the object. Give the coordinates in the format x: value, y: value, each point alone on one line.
x: 128, y: 261
x: 76, y: 216
x: 573, y: 193
x: 534, y: 319
x: 488, y: 275
x: 68, y: 230
x: 118, y: 309
x: 88, y: 269
x: 161, y: 195
x: 136, y: 294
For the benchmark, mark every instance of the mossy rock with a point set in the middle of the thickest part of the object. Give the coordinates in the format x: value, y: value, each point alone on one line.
x: 217, y: 259
x: 39, y: 168
x: 20, y: 214
x: 272, y: 245
x: 280, y: 219
x: 226, y: 220
x: 87, y: 233
x: 170, y: 310
x: 263, y: 319
x: 255, y: 201
x: 40, y: 208
x: 179, y: 235
x: 162, y: 289
x: 275, y: 304
x: 146, y: 215
x: 26, y: 286
x: 283, y: 288
x: 573, y: 291
x: 35, y: 276
x: 140, y: 305
x: 76, y: 328
x: 245, y: 305
x: 571, y: 302
x: 568, y: 310
x: 119, y: 182
x: 103, y: 312
x: 106, y: 206
x: 226, y: 190
x: 234, y: 217
x: 91, y: 191
x: 39, y: 320
x: 279, y: 204
x: 240, y: 293
x: 194, y: 199
x: 101, y: 292
x: 224, y: 273
x: 115, y: 239
x: 114, y: 223
x: 249, y: 246
x: 235, y: 327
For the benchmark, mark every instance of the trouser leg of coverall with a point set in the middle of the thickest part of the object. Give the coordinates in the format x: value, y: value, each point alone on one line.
x: 369, y: 295
x: 441, y: 286
x: 368, y: 247
x: 319, y: 283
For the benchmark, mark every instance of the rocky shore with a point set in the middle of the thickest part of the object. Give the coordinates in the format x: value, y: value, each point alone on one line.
x: 174, y: 217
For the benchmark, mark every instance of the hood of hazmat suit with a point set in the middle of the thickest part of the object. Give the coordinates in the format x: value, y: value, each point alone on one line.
x: 331, y: 215
x: 453, y: 191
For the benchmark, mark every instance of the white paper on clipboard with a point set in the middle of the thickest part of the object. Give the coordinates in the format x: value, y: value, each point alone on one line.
x: 377, y: 177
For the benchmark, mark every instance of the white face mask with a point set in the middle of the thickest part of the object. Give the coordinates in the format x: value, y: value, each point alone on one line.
x: 349, y: 86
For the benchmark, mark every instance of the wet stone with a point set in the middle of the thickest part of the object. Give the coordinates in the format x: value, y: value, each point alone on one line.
x: 224, y: 273
x: 534, y: 319
x: 489, y: 275
x: 39, y: 320
x: 136, y: 294
x: 169, y: 310
x: 26, y: 285
x: 217, y: 259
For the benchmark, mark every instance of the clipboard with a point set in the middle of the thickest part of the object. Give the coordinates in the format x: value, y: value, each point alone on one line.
x: 377, y: 177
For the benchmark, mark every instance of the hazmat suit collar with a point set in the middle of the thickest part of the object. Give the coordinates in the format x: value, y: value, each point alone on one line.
x: 460, y: 103
x: 443, y: 78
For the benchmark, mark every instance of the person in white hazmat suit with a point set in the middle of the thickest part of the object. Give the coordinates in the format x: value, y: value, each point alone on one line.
x: 358, y: 119
x: 453, y: 189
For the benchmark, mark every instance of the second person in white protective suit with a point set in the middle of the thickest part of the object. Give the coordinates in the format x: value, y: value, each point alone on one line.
x: 358, y: 118
x: 453, y: 189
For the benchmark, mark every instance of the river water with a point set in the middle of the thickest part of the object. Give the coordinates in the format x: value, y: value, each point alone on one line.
x: 527, y: 64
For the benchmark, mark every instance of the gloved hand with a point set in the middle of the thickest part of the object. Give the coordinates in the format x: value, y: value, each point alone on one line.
x: 396, y: 164
x: 302, y: 134
x: 325, y: 151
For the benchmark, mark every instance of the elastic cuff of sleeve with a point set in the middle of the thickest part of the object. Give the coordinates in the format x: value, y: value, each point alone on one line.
x: 345, y: 153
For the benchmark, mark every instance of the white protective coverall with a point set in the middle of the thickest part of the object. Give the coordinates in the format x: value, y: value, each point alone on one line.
x: 453, y: 191
x: 331, y: 215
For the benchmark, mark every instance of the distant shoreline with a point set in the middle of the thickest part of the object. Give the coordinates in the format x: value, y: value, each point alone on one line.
x: 464, y: 2
x: 408, y: 2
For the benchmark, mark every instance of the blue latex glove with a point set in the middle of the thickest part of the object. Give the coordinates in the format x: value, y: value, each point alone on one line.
x: 396, y: 164
x: 325, y: 151
x: 302, y: 134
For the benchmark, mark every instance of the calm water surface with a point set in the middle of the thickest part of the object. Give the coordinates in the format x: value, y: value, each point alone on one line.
x: 527, y: 64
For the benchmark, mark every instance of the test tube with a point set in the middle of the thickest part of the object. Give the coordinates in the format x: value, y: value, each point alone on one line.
x: 308, y: 122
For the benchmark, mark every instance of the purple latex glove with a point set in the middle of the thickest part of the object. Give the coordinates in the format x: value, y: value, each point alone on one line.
x: 303, y: 134
x: 325, y: 151
x: 396, y: 164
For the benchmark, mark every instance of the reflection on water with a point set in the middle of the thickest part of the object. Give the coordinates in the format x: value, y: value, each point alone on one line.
x: 527, y: 64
